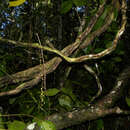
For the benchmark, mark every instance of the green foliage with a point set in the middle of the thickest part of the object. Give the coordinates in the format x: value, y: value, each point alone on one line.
x: 115, y: 14
x: 101, y: 1
x: 2, y: 68
x: 51, y: 92
x: 79, y: 2
x: 80, y: 88
x: 66, y: 6
x: 15, y: 125
x: 1, y: 122
x: 46, y: 125
x: 127, y: 101
x: 101, y: 19
x: 100, y: 124
x: 114, y: 27
x: 69, y: 91
x: 65, y: 101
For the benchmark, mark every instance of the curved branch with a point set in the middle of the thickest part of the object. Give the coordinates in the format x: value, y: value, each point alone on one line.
x: 52, y: 64
x: 116, y: 92
x: 98, y: 32
x: 21, y: 87
x: 85, y: 57
x: 93, y: 21
x: 65, y: 120
x: 91, y: 71
x: 32, y: 72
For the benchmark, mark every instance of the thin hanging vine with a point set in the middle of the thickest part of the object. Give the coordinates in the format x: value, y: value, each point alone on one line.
x: 43, y: 75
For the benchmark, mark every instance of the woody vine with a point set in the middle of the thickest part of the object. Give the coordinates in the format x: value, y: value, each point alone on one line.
x: 30, y: 77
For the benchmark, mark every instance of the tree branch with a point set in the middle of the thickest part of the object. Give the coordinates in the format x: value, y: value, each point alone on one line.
x: 52, y: 64
x: 84, y: 57
x: 100, y: 109
x: 21, y: 87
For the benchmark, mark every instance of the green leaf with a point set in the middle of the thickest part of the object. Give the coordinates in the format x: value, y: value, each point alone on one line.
x: 16, y: 125
x: 30, y: 110
x: 65, y: 101
x: 98, y: 24
x: 69, y: 91
x: 3, y: 66
x: 100, y: 124
x: 115, y: 14
x: 127, y: 101
x: 46, y: 125
x: 79, y: 2
x: 101, y: 1
x: 51, y: 92
x: 86, y: 103
x: 66, y: 6
x: 101, y: 19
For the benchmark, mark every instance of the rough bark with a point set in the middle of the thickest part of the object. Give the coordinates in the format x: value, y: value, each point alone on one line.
x: 99, y: 109
x: 53, y: 63
x: 33, y: 75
